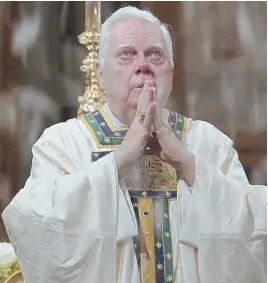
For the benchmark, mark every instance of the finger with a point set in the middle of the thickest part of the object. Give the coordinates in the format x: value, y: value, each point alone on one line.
x: 144, y: 99
x: 166, y: 124
x: 148, y: 119
x: 155, y: 98
x: 141, y: 114
x: 141, y: 99
x: 157, y: 119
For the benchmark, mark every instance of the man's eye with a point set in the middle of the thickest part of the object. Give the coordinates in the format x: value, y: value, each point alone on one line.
x: 126, y: 53
x: 156, y: 53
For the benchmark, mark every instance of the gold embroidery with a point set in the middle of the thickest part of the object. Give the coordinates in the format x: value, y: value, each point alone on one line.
x: 144, y: 194
x: 168, y: 255
x: 167, y: 234
x: 147, y: 233
x: 152, y: 174
x: 169, y: 278
x: 159, y: 266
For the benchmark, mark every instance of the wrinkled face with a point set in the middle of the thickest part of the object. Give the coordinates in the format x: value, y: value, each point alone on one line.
x: 136, y: 51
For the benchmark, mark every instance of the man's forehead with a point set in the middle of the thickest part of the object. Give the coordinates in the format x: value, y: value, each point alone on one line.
x: 155, y: 44
x: 133, y: 28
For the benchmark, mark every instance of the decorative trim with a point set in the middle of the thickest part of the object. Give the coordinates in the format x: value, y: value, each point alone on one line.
x: 147, y: 252
x: 152, y: 194
x: 167, y: 244
x: 153, y: 246
x: 106, y: 135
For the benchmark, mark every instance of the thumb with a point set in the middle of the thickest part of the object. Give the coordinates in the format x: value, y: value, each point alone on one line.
x: 157, y: 117
x: 162, y: 156
x: 149, y: 116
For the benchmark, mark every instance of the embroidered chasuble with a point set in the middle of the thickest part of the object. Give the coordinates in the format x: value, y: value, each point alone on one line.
x: 74, y: 221
x: 152, y: 184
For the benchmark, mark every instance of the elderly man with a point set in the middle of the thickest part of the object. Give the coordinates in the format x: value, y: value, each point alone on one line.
x: 133, y: 192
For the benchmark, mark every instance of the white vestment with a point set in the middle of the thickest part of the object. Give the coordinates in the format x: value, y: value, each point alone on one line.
x: 74, y: 222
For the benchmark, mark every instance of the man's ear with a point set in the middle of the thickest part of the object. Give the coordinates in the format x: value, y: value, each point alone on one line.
x: 172, y: 71
x: 99, y: 73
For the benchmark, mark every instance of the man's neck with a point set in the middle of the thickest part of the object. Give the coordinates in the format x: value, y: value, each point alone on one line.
x: 116, y: 123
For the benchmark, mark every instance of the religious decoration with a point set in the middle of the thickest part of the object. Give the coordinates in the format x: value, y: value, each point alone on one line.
x: 93, y: 97
x: 152, y: 185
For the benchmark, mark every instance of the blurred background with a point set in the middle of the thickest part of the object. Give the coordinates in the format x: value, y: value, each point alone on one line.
x: 220, y: 53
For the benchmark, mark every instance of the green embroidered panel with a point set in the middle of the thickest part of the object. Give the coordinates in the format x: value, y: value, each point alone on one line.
x: 104, y: 135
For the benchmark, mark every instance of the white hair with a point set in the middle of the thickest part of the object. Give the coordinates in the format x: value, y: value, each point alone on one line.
x: 131, y: 12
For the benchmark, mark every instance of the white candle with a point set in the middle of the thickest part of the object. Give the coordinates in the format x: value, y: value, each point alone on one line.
x: 93, y: 16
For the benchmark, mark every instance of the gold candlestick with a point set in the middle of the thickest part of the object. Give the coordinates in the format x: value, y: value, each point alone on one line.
x: 93, y: 97
x: 92, y: 16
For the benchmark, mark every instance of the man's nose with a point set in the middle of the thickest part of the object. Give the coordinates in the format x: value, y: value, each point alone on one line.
x: 143, y: 66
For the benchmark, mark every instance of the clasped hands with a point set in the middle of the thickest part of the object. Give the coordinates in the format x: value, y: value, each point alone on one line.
x: 164, y: 143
